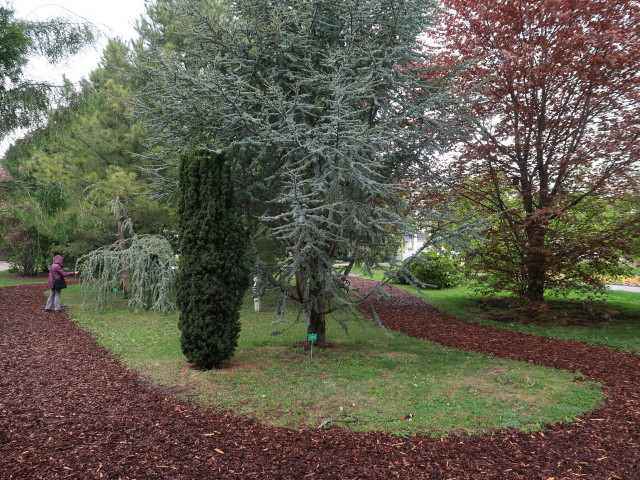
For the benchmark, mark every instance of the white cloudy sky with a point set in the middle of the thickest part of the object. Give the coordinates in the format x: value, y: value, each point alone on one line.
x: 113, y: 18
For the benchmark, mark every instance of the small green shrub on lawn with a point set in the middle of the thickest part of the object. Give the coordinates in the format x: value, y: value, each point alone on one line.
x: 434, y: 270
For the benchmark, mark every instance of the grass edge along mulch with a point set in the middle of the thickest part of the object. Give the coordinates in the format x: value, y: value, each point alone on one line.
x: 366, y: 381
x: 69, y: 410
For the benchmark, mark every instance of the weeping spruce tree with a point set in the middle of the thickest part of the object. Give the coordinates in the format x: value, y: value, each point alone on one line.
x: 213, y: 273
x: 324, y: 107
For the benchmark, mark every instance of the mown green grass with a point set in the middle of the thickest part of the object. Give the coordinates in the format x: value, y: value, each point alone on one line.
x: 622, y: 335
x: 603, y: 328
x: 365, y: 381
x: 8, y: 279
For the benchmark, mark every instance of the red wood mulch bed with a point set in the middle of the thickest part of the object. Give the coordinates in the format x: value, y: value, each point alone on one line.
x: 69, y: 410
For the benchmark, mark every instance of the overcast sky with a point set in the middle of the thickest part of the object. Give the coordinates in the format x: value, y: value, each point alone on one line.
x: 113, y: 18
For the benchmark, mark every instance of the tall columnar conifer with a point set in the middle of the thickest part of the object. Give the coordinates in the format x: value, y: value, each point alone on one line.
x: 213, y: 273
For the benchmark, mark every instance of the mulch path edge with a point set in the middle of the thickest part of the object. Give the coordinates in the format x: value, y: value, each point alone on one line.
x: 68, y: 409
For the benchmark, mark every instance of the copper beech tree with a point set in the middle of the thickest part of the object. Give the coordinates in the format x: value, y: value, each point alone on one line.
x: 553, y: 93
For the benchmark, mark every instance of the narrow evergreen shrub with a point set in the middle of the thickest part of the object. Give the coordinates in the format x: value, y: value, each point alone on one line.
x: 214, y: 271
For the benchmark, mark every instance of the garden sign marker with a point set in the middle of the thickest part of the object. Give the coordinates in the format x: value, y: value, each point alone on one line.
x: 312, y: 337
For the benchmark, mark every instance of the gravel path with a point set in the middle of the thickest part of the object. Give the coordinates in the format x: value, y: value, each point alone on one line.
x: 69, y: 410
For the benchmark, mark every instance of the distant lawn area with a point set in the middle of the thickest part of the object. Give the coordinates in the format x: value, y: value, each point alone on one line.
x: 8, y: 279
x: 615, y: 323
x: 366, y: 380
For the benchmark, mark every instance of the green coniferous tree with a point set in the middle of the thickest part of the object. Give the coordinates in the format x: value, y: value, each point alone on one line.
x: 320, y: 104
x: 214, y: 270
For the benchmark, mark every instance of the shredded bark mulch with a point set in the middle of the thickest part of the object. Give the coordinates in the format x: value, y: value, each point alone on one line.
x: 68, y: 409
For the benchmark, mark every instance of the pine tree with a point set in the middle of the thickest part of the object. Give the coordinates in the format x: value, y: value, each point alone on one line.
x: 213, y: 273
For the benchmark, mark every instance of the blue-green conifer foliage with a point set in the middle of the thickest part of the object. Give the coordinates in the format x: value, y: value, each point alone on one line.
x: 214, y: 270
x: 323, y: 106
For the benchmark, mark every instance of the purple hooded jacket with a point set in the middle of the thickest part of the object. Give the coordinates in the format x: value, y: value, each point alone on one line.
x: 56, y: 270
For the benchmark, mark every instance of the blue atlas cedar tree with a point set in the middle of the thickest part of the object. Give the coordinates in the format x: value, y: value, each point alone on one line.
x: 323, y: 107
x: 214, y: 270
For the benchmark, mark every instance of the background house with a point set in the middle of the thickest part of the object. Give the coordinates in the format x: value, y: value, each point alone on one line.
x: 411, y: 243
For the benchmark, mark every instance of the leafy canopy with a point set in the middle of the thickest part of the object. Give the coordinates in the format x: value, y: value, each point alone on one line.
x: 22, y: 101
x: 554, y: 94
x: 84, y: 159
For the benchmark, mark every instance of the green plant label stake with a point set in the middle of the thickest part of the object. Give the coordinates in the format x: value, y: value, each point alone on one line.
x: 312, y: 337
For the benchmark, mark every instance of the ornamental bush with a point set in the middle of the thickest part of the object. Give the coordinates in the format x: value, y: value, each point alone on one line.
x: 144, y: 272
x: 434, y: 270
x: 214, y: 271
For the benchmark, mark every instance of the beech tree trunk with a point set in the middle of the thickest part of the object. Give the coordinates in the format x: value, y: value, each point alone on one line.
x: 535, y: 266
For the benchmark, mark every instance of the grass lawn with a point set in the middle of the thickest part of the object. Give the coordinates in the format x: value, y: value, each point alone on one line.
x: 8, y: 279
x: 365, y: 381
x: 615, y: 324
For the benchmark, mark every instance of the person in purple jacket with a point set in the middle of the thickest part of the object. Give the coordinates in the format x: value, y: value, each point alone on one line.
x: 56, y: 271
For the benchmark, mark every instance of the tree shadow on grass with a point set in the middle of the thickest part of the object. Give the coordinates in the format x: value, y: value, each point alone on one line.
x: 554, y: 313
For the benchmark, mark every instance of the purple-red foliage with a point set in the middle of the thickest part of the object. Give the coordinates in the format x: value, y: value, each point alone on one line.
x: 554, y: 107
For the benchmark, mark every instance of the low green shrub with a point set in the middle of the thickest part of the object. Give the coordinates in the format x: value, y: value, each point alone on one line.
x: 433, y: 270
